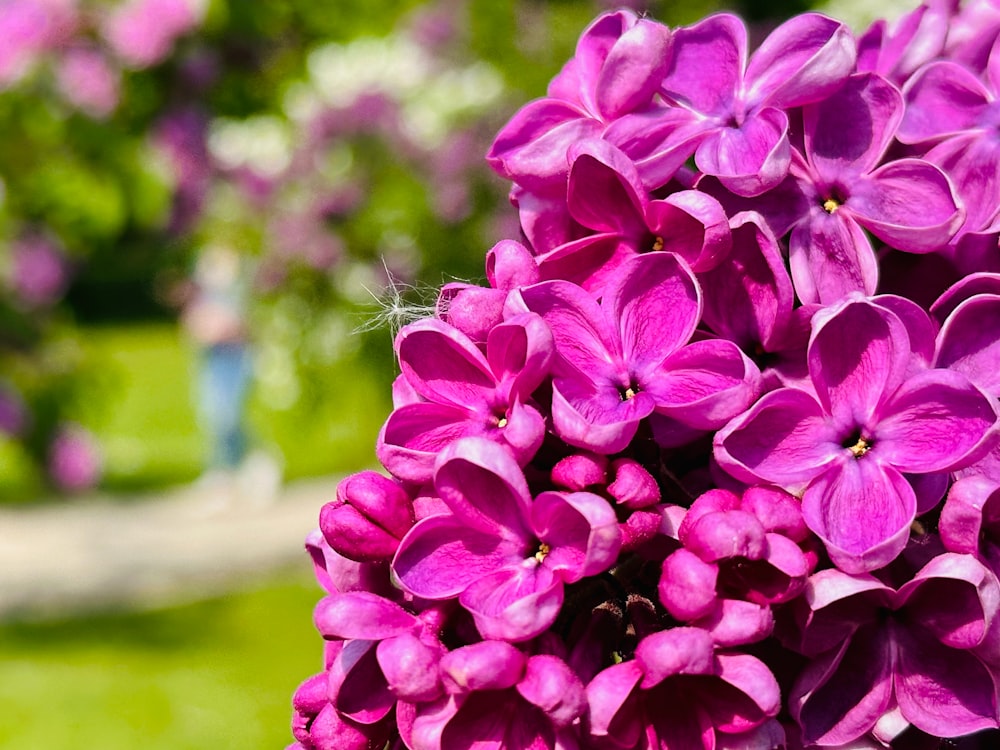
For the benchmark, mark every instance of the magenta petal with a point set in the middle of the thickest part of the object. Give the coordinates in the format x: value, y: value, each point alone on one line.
x: 520, y: 352
x: 596, y: 419
x: 482, y: 485
x: 751, y: 677
x: 633, y: 69
x: 516, y: 603
x: 415, y: 434
x: 604, y: 192
x: 357, y: 685
x: 582, y: 335
x: 803, y: 60
x: 360, y: 614
x: 784, y: 438
x: 704, y: 384
x: 443, y: 365
x: 693, y: 225
x: 735, y: 622
x: 962, y: 516
x: 687, y: 585
x: 708, y: 89
x: 581, y: 530
x: 862, y: 510
x: 608, y: 694
x: 830, y: 256
x: 934, y: 422
x: 909, y: 204
x: 488, y: 665
x: 657, y: 303
x: 441, y: 556
x: 678, y: 651
x: 555, y: 688
x: 840, y: 695
x: 531, y: 148
x: 944, y: 691
x: 857, y: 357
x: 849, y: 131
x: 749, y: 297
x: 410, y: 667
x: 658, y: 140
x: 969, y: 341
x: 749, y: 159
x: 943, y: 98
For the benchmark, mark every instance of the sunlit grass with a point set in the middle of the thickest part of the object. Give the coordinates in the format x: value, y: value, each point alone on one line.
x: 217, y: 674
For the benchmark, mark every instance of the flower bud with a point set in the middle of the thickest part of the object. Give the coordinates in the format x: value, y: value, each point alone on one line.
x: 368, y: 518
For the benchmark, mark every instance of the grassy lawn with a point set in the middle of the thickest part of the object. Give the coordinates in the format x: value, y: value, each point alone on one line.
x: 217, y: 674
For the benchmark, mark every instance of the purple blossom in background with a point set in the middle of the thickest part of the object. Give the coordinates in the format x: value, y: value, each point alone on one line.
x: 14, y: 416
x: 40, y: 273
x: 74, y: 459
x: 143, y: 32
x: 29, y: 28
x: 88, y: 81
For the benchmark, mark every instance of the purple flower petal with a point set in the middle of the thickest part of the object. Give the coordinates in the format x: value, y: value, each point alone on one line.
x: 410, y: 667
x: 443, y: 366
x: 441, y: 556
x: 488, y: 665
x: 784, y: 438
x: 909, y: 204
x: 604, y: 191
x: 414, y: 435
x: 934, y: 422
x: 555, y: 688
x: 704, y: 384
x: 862, y: 510
x: 803, y: 60
x: 943, y: 98
x: 857, y: 357
x: 849, y: 131
x: 633, y: 69
x: 751, y: 158
x: 597, y: 419
x: 693, y: 225
x: 657, y: 303
x: 360, y: 614
x: 830, y: 256
x: 708, y: 89
x: 581, y: 529
x: 944, y: 691
x: 516, y: 603
x: 969, y: 342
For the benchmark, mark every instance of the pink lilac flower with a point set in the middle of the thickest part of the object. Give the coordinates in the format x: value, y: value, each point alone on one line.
x: 74, y: 459
x: 732, y: 566
x: 501, y: 698
x: 462, y: 392
x: 142, y: 32
x: 30, y: 28
x: 679, y: 691
x: 505, y: 557
x: 874, y: 648
x: 954, y: 112
x: 40, y: 273
x: 368, y: 518
x: 907, y: 203
x: 88, y: 81
x: 731, y: 115
x: 846, y: 445
x: 605, y: 196
x: 623, y: 359
x: 14, y: 416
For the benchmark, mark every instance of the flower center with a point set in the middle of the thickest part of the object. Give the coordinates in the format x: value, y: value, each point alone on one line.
x: 830, y: 205
x: 502, y: 422
x: 860, y: 448
x: 543, y: 552
x: 657, y: 244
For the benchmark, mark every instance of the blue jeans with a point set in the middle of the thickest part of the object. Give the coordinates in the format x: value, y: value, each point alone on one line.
x: 224, y: 382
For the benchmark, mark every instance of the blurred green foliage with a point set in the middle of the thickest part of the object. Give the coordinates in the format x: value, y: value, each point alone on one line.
x: 218, y: 673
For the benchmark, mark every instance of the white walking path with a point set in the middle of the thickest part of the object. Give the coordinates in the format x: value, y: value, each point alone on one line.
x: 95, y: 553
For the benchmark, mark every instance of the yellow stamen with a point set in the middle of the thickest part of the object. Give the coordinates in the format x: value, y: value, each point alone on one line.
x: 860, y: 448
x: 830, y: 205
x: 629, y: 393
x: 502, y: 422
x: 543, y: 551
x: 658, y: 244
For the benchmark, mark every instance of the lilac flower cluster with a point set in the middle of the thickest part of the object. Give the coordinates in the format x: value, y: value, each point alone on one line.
x: 714, y: 461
